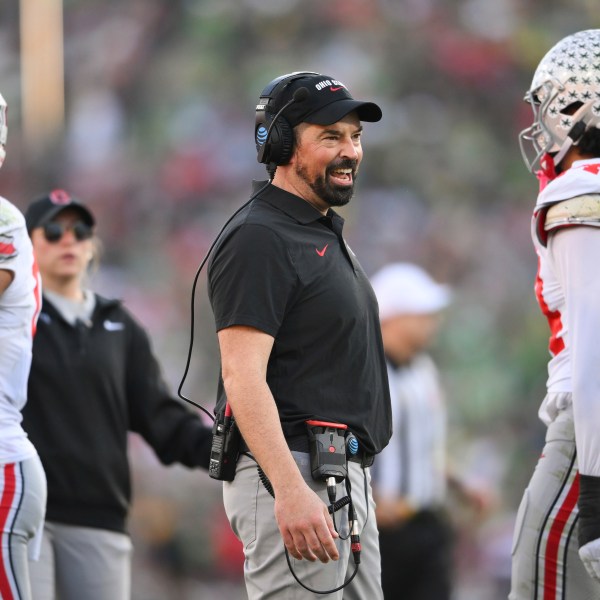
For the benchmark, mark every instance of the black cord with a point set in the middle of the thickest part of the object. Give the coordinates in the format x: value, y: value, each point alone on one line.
x: 337, y: 505
x: 264, y: 480
x: 337, y: 589
x: 353, y: 534
x: 193, y: 299
x: 347, y: 497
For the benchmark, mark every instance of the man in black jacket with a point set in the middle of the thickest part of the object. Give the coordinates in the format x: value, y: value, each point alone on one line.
x: 93, y: 379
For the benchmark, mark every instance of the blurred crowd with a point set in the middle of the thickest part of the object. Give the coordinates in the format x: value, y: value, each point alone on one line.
x: 158, y: 138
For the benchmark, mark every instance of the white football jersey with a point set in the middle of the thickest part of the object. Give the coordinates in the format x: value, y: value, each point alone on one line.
x: 19, y: 309
x: 567, y: 289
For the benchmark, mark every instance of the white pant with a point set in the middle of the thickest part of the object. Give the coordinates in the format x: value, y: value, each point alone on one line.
x: 79, y: 563
x: 545, y: 562
x: 22, y: 508
x: 249, y: 508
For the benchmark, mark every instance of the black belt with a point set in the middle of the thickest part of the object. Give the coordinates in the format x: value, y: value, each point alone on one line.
x: 299, y: 443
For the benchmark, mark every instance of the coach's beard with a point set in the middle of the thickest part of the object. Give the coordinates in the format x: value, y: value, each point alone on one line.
x: 333, y: 195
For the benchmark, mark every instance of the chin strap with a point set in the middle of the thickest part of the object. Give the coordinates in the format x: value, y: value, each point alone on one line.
x: 547, y: 171
x: 548, y: 163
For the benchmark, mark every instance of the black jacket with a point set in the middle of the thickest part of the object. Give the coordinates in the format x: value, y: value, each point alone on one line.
x: 88, y: 387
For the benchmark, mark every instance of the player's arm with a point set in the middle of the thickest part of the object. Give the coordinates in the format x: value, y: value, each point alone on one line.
x: 8, y: 251
x: 302, y: 518
x: 577, y: 254
x: 6, y: 278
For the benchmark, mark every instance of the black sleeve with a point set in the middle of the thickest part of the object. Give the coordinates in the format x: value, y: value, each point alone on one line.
x: 175, y: 432
x: 251, y: 279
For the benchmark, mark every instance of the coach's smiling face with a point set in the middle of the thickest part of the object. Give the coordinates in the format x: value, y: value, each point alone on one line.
x: 325, y: 162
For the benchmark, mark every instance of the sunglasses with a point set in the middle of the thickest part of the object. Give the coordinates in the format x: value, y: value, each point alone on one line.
x: 53, y: 231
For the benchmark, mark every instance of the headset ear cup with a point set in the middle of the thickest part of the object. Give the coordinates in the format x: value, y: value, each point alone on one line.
x: 281, y: 143
x: 277, y: 145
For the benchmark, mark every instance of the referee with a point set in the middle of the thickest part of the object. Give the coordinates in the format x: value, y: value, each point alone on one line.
x: 299, y: 338
x: 411, y: 475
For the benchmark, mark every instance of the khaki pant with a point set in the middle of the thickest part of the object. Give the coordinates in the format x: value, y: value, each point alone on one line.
x: 249, y: 507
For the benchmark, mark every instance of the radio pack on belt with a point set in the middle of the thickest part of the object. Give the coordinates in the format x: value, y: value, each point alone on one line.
x: 327, y: 443
x: 225, y: 447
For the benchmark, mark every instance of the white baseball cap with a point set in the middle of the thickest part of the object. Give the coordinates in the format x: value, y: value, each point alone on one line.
x: 405, y: 288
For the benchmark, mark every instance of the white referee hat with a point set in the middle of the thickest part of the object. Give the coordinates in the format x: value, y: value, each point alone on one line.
x: 405, y: 288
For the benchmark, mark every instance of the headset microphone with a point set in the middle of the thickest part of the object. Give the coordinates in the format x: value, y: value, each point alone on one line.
x: 301, y: 94
x: 264, y: 152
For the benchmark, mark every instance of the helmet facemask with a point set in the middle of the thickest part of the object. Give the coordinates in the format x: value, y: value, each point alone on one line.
x: 536, y: 140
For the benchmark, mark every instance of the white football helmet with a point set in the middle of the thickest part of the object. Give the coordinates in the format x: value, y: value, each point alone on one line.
x: 565, y: 97
x: 3, y: 129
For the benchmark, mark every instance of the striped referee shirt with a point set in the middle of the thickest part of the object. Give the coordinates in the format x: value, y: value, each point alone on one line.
x: 413, y: 465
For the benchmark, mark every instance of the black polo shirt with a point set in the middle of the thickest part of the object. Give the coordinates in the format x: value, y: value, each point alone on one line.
x: 284, y: 268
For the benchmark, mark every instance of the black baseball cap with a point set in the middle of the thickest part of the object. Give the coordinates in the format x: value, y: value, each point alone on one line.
x: 325, y: 101
x: 44, y: 209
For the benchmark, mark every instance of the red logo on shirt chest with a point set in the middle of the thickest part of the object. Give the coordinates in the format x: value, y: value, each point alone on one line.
x: 322, y: 251
x: 594, y: 169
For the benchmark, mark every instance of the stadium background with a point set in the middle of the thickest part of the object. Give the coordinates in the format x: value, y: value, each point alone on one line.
x: 158, y: 138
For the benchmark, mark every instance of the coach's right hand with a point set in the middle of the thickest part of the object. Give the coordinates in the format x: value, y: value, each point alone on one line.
x: 305, y: 524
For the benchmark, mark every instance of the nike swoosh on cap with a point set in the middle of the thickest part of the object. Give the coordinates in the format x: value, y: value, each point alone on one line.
x: 113, y: 325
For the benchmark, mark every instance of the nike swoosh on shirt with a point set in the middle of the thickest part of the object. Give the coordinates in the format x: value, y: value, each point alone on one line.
x: 322, y: 252
x: 113, y: 325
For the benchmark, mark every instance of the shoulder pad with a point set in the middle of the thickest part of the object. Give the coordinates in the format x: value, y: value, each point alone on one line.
x: 582, y: 210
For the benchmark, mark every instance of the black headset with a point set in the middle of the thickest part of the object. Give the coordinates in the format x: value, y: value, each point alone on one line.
x: 273, y: 134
